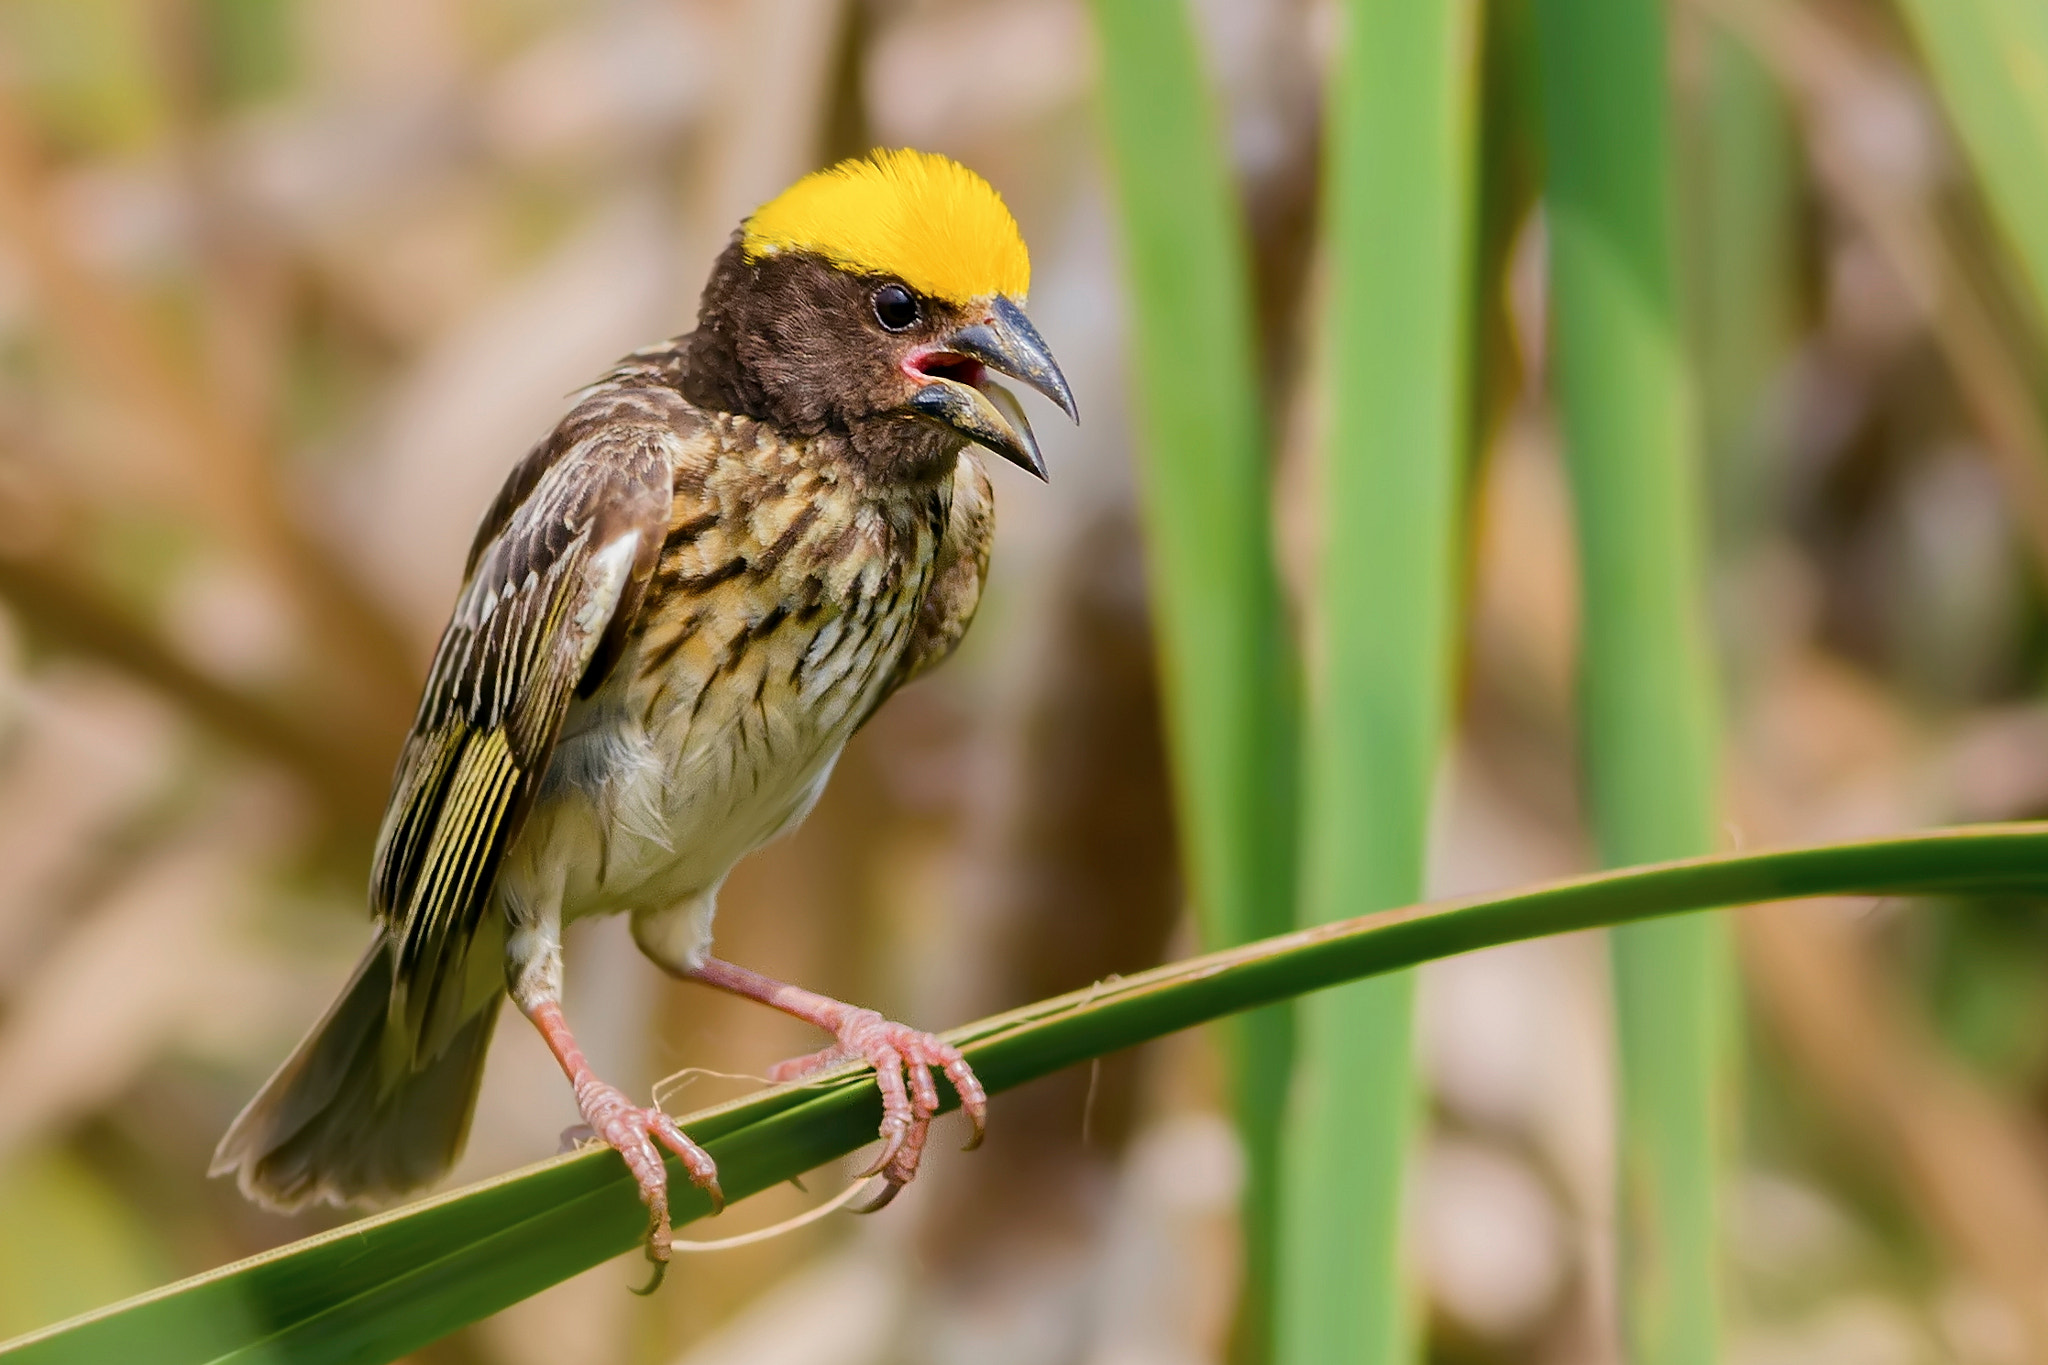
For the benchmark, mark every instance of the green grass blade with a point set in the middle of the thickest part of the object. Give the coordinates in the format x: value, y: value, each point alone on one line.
x: 1989, y: 60
x: 1646, y: 678
x: 1398, y: 224
x: 1202, y: 453
x: 1225, y: 670
x: 376, y: 1289
x: 1742, y: 259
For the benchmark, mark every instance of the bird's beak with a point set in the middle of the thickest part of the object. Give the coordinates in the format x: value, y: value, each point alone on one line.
x: 958, y: 393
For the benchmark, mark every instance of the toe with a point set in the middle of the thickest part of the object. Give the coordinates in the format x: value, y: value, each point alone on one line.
x: 902, y: 1169
x: 898, y: 1118
x: 973, y: 1099
x: 796, y: 1068
x: 903, y: 1059
x: 625, y: 1127
x: 934, y: 1053
x: 654, y: 1195
x: 697, y: 1162
x: 924, y: 1093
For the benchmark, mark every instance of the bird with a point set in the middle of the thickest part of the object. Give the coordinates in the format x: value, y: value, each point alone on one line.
x: 687, y: 597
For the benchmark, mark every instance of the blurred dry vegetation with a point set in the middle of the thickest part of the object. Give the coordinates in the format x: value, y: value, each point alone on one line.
x: 285, y: 286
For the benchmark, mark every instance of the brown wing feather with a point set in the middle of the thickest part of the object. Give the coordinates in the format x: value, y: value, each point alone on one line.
x: 556, y: 579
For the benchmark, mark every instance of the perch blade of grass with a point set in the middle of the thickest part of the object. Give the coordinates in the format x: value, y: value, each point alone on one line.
x: 1397, y: 221
x: 1201, y: 442
x: 379, y: 1288
x: 1646, y: 677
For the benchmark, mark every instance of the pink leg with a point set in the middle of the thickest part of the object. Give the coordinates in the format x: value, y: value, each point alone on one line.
x: 903, y: 1059
x: 629, y: 1129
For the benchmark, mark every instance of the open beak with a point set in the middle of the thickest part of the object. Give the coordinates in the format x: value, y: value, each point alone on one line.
x: 958, y: 393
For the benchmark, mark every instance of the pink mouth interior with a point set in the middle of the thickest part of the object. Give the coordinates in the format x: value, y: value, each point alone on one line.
x: 947, y: 365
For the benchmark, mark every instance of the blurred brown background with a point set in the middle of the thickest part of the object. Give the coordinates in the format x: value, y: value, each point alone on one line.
x: 285, y: 287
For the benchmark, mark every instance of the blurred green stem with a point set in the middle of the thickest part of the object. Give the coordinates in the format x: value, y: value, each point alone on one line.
x: 1989, y: 61
x: 1742, y: 189
x: 1398, y: 222
x: 1646, y: 675
x: 1225, y: 669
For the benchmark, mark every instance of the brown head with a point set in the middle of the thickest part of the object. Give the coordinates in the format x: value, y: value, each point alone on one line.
x: 876, y: 301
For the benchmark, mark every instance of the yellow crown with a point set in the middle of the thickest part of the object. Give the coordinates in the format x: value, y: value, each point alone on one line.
x: 923, y: 218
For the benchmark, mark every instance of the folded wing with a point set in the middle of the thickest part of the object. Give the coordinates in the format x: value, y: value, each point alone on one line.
x: 556, y: 580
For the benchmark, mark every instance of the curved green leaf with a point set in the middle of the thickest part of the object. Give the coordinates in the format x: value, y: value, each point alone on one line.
x: 1397, y: 213
x: 1989, y: 62
x: 1226, y: 668
x: 1646, y: 672
x: 387, y: 1285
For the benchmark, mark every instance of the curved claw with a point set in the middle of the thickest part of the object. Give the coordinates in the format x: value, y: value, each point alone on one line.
x: 654, y: 1280
x: 894, y: 1135
x: 883, y: 1198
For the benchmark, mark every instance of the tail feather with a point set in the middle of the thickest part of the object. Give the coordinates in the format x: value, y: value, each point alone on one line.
x: 339, y: 1123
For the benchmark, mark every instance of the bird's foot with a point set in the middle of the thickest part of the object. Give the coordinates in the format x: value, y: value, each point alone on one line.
x: 904, y: 1059
x: 633, y: 1131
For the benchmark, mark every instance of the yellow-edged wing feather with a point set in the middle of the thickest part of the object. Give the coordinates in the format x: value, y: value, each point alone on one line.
x: 556, y: 579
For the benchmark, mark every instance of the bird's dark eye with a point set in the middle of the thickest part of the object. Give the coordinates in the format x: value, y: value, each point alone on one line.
x: 896, y: 307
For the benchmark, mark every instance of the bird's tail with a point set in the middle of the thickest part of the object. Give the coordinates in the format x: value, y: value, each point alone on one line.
x: 350, y: 1117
